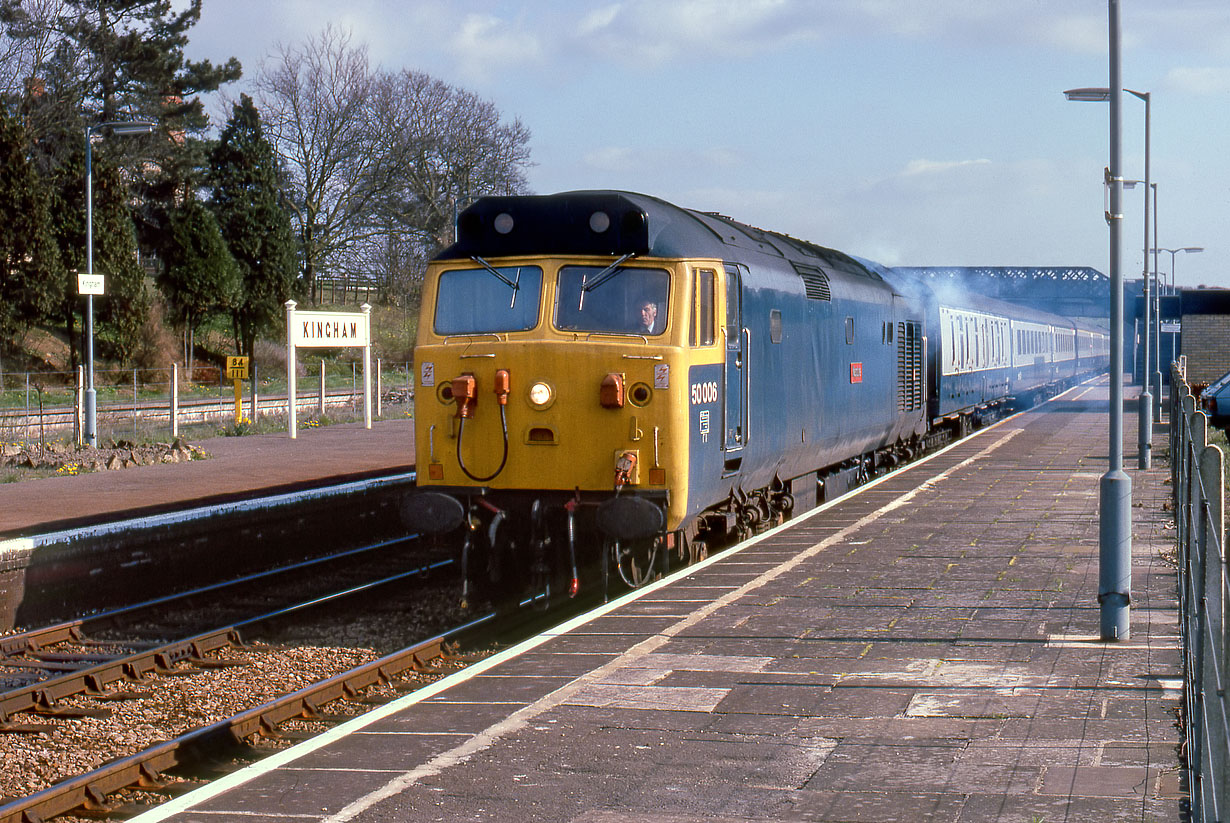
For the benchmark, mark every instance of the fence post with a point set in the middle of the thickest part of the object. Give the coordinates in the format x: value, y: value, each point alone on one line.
x: 322, y: 387
x: 79, y: 413
x: 174, y: 400
x: 1215, y: 675
x: 378, y: 381
x: 255, y: 400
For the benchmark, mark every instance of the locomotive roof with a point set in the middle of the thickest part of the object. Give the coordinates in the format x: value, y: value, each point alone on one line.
x: 617, y: 223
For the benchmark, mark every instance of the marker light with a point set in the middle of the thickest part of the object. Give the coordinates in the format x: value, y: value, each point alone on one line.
x: 503, y: 222
x: 541, y: 395
x: 599, y: 222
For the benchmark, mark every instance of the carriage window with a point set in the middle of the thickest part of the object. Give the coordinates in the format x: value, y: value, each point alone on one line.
x: 479, y: 301
x: 703, y: 330
x: 622, y: 301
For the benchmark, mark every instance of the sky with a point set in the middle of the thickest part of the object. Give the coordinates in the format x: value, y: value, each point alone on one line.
x: 910, y: 132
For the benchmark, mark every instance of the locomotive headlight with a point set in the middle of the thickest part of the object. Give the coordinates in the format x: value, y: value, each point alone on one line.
x: 541, y: 395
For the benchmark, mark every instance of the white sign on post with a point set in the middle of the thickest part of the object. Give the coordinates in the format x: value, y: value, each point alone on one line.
x: 90, y: 284
x: 327, y: 330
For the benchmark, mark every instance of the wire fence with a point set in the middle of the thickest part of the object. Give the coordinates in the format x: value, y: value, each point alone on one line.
x: 144, y: 403
x: 1198, y: 484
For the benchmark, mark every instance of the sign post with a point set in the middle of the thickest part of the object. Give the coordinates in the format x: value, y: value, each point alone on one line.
x: 237, y: 370
x: 327, y: 330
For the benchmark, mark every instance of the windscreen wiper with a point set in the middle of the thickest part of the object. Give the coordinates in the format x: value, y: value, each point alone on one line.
x: 601, y: 277
x: 514, y: 285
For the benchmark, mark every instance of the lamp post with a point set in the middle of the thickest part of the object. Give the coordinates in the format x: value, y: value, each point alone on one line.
x: 1115, y: 489
x: 121, y: 128
x: 1144, y: 440
x: 1173, y: 252
x: 1173, y: 290
x: 1157, y: 320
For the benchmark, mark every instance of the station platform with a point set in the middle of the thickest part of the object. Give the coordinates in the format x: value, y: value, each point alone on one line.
x: 923, y: 650
x: 237, y: 468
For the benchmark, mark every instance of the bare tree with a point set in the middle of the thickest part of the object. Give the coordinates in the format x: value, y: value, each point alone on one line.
x: 27, y: 41
x: 315, y: 99
x: 379, y: 162
x: 442, y: 148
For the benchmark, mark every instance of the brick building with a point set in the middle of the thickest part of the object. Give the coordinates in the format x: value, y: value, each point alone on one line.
x: 1204, y: 335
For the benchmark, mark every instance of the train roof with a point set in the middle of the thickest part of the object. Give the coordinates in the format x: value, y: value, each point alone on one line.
x: 616, y: 223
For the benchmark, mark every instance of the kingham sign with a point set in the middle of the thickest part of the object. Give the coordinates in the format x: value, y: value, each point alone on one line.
x: 327, y: 330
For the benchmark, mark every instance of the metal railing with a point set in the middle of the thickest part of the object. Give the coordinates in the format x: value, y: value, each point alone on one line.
x: 1198, y: 486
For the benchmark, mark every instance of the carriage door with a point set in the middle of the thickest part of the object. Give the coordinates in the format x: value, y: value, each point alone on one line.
x: 735, y: 416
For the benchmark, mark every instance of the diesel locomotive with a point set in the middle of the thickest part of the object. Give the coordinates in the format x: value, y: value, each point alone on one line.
x: 605, y: 363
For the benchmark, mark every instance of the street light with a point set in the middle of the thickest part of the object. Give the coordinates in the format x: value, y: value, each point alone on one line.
x: 1173, y: 252
x: 121, y: 128
x: 1173, y: 290
x: 1144, y: 441
x: 1115, y: 488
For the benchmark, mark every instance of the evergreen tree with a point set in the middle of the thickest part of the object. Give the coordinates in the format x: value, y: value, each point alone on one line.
x: 31, y: 276
x: 247, y: 202
x: 126, y: 304
x: 116, y: 60
x: 200, y: 275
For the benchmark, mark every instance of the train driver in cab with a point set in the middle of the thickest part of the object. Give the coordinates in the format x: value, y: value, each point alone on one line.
x: 648, y: 317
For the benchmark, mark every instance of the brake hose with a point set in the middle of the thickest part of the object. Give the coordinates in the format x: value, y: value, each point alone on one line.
x: 460, y: 462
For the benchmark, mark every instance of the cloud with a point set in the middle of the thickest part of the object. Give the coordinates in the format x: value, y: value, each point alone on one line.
x: 919, y: 167
x: 1200, y: 82
x: 484, y: 45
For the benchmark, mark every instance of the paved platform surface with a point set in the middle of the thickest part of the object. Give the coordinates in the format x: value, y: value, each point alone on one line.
x: 238, y: 467
x: 923, y: 651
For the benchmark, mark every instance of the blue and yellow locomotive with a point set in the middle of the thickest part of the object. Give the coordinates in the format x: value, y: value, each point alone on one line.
x: 606, y: 363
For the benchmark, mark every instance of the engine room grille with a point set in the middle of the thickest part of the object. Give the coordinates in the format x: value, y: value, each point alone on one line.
x: 909, y: 367
x: 815, y: 281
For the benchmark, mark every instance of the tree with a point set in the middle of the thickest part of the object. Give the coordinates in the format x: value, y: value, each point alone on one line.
x: 86, y: 62
x: 200, y: 276
x: 441, y: 147
x: 247, y: 202
x: 127, y: 303
x: 316, y: 104
x: 31, y: 275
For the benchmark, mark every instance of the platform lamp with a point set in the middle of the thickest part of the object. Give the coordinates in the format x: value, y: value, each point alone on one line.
x: 1173, y: 252
x: 1173, y: 290
x: 1115, y: 488
x: 1145, y: 404
x: 118, y: 128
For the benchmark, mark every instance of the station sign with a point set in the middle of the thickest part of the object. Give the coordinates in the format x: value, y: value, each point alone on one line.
x: 1172, y: 327
x: 90, y: 284
x: 329, y: 329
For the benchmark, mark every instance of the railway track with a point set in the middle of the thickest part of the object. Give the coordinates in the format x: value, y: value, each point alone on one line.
x: 84, y: 690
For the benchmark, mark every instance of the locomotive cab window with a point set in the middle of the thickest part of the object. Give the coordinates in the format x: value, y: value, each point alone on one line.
x: 481, y: 301
x: 620, y: 300
x: 703, y: 330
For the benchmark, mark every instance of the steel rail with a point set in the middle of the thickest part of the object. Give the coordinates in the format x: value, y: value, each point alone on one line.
x: 143, y: 769
x: 42, y: 697
x: 34, y: 641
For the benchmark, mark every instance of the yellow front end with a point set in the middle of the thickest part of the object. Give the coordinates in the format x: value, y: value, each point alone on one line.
x: 585, y: 411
